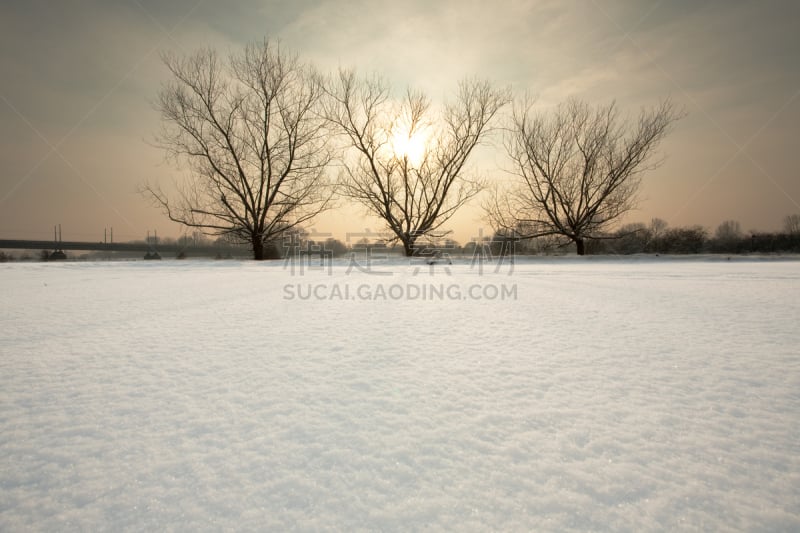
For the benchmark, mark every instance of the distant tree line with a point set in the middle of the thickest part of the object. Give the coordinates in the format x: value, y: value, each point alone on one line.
x: 637, y: 238
x: 658, y: 238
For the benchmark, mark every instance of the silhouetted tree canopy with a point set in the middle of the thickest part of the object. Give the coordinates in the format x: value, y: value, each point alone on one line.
x: 575, y: 169
x: 406, y: 162
x: 250, y: 133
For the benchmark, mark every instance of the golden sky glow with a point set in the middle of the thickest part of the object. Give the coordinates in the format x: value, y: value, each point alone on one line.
x: 76, y: 119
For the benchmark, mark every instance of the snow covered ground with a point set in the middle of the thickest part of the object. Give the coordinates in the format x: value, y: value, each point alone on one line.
x: 563, y: 394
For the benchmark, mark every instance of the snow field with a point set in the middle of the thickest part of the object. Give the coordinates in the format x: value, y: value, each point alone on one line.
x: 621, y: 395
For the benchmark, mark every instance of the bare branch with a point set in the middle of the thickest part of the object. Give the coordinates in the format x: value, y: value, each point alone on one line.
x: 251, y: 135
x: 403, y: 163
x: 577, y: 169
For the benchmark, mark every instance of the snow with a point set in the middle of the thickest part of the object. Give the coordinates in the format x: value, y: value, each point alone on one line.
x: 597, y: 394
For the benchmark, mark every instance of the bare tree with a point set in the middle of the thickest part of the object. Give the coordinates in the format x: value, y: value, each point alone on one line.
x: 575, y: 170
x: 791, y: 224
x: 656, y: 230
x: 657, y: 227
x: 730, y: 230
x: 405, y: 163
x: 254, y: 142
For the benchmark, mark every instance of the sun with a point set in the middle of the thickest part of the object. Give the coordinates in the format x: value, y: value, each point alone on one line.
x: 409, y: 145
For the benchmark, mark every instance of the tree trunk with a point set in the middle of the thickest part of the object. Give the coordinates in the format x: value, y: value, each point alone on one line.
x: 408, y: 248
x: 258, y: 249
x: 581, y: 246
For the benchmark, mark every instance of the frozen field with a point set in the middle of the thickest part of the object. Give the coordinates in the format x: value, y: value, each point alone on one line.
x: 598, y: 394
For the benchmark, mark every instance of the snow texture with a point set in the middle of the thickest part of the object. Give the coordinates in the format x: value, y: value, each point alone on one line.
x: 610, y: 394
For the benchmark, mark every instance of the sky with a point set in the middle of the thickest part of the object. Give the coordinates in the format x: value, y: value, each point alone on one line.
x: 79, y: 79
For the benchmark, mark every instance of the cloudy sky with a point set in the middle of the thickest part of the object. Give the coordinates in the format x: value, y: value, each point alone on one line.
x: 79, y: 77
